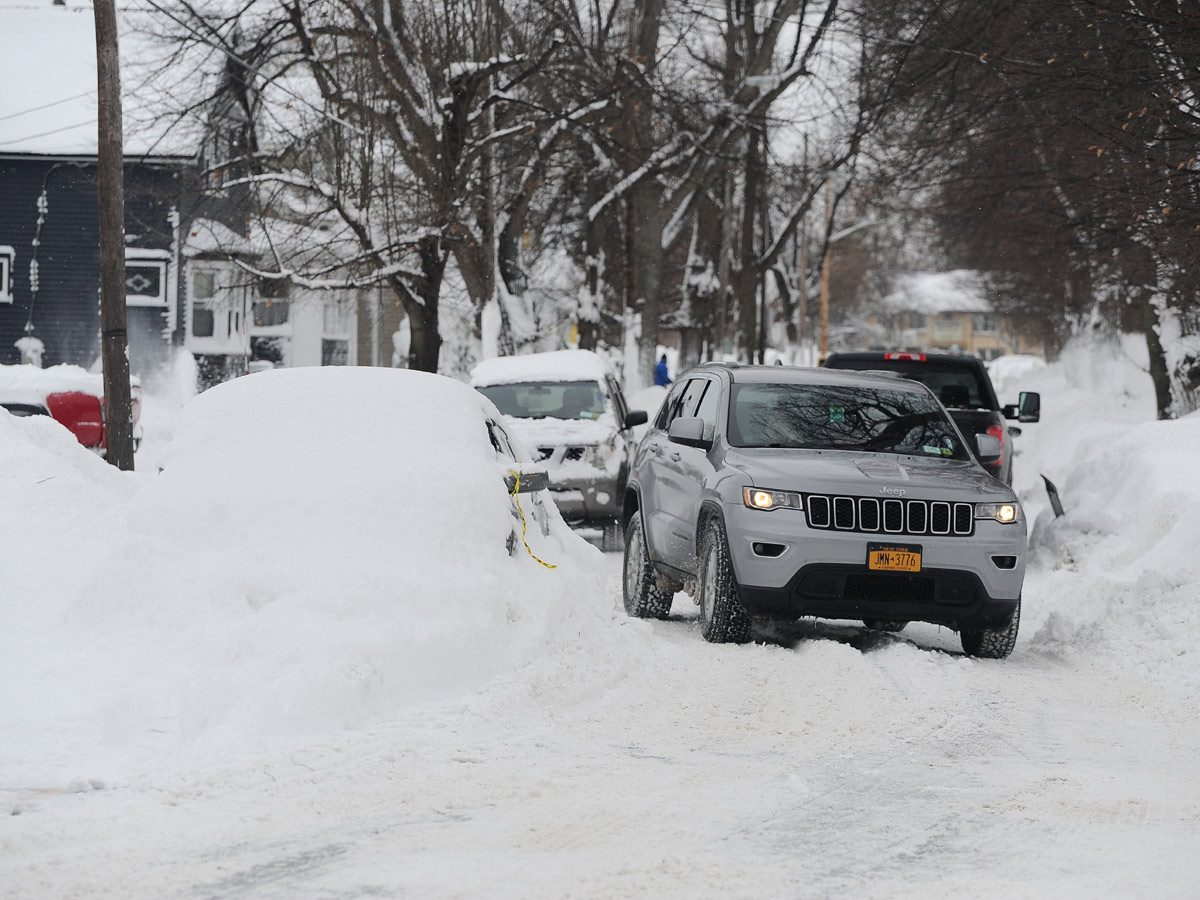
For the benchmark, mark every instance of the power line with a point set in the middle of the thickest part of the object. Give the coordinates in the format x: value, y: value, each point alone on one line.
x: 33, y: 109
x: 31, y: 137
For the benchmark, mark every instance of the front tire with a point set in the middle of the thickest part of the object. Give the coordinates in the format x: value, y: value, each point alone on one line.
x: 643, y: 599
x: 992, y: 643
x: 722, y: 618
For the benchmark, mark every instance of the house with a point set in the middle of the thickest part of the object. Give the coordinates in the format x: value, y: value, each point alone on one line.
x: 950, y: 311
x: 194, y: 237
x: 49, y: 237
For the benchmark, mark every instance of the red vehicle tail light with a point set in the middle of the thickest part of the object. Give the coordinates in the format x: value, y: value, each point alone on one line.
x: 911, y: 357
x: 81, y: 413
x: 997, y: 432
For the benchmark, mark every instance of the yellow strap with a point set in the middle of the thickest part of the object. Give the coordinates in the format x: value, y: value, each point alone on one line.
x: 517, y: 496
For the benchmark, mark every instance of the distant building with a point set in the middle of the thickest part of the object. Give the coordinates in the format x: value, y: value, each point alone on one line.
x: 949, y: 311
x: 191, y: 248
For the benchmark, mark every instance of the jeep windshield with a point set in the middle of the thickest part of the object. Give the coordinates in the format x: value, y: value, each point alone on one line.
x: 548, y: 399
x: 830, y: 417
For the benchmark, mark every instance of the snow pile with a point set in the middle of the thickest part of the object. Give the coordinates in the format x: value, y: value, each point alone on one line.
x: 1111, y: 579
x: 1123, y: 558
x: 323, y: 549
x: 1092, y: 394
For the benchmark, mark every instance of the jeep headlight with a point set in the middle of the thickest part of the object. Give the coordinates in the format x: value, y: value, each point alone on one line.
x: 762, y: 498
x: 1004, y: 513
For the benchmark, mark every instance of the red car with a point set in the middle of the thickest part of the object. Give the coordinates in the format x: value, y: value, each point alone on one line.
x: 70, y: 395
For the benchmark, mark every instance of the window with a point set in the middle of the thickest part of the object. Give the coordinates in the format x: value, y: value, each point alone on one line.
x: 548, y: 399
x: 691, y: 397
x: 670, y: 408
x: 983, y: 322
x: 831, y: 417
x: 146, y: 277
x: 707, y: 411
x: 337, y: 321
x: 204, y: 288
x: 335, y: 353
x: 270, y: 312
x: 7, y: 257
x: 948, y: 328
x: 618, y: 399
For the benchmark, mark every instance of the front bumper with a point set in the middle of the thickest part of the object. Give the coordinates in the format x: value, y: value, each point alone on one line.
x: 965, y: 581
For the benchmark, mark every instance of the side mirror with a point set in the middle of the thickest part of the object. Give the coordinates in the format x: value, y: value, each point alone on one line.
x: 533, y: 478
x: 988, y: 448
x: 636, y: 417
x: 689, y: 432
x: 1029, y: 408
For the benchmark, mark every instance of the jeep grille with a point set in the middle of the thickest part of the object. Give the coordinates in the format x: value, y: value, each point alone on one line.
x: 876, y: 516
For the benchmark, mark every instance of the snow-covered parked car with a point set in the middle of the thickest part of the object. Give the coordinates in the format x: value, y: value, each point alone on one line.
x: 70, y: 395
x: 412, y: 445
x: 568, y: 408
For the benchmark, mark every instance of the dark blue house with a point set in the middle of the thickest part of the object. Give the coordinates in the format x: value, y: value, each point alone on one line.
x: 49, y: 232
x: 50, y: 257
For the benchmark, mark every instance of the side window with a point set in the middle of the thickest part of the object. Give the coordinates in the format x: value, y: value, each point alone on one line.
x: 618, y: 399
x: 708, y: 409
x: 670, y: 407
x: 500, y: 442
x: 691, y: 396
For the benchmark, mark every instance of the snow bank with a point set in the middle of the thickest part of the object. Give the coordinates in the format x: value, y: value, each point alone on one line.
x: 1095, y: 391
x: 323, y: 549
x: 1112, y: 580
x: 1122, y: 561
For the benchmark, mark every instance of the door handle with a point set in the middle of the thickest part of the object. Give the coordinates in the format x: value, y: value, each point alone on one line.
x: 674, y: 457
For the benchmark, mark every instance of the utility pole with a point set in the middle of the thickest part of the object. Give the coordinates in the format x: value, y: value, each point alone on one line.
x: 118, y: 406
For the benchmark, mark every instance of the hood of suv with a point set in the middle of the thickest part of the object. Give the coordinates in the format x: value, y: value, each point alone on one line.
x: 867, y: 474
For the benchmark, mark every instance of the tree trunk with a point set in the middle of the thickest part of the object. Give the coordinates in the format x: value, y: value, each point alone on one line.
x: 745, y: 278
x: 1160, y: 374
x: 422, y: 309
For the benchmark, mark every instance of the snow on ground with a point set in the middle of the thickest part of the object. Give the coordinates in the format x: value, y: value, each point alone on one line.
x: 630, y: 759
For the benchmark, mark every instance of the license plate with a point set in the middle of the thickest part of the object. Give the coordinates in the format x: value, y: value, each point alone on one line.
x: 892, y: 558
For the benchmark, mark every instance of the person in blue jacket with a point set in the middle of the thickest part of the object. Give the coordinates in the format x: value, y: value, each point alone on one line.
x: 660, y: 372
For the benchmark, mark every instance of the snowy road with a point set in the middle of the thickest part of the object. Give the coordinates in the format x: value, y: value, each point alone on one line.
x: 826, y: 762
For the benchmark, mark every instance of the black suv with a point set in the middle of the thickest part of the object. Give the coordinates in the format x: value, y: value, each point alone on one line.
x: 963, y: 386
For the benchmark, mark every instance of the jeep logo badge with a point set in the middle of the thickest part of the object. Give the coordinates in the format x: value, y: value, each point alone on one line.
x: 892, y: 492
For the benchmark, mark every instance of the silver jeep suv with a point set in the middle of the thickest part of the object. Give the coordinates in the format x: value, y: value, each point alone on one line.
x: 776, y: 493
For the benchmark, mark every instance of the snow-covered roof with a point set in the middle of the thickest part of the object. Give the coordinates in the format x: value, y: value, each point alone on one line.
x: 961, y: 290
x: 556, y: 365
x: 48, y: 85
x: 207, y: 236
